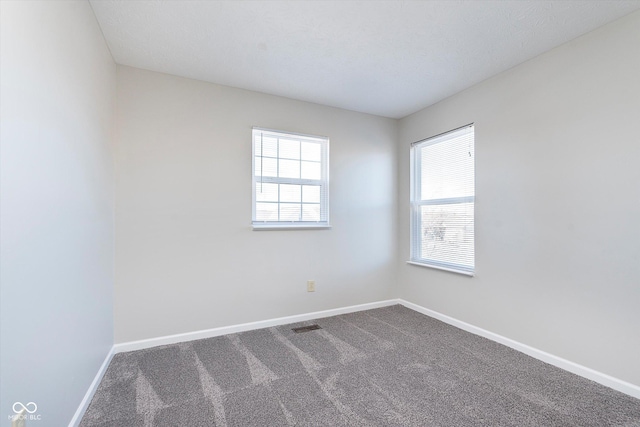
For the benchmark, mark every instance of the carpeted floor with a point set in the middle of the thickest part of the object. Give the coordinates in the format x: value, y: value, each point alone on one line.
x: 385, y: 367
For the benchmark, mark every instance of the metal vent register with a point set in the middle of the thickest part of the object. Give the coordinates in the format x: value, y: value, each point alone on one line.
x: 305, y: 329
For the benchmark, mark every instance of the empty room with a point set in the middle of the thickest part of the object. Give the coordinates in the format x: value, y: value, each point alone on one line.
x: 319, y: 213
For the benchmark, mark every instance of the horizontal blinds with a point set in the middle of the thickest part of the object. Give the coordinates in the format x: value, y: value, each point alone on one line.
x: 443, y: 200
x: 290, y: 178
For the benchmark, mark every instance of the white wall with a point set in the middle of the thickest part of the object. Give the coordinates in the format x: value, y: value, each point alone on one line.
x: 56, y: 212
x: 186, y: 256
x: 558, y: 203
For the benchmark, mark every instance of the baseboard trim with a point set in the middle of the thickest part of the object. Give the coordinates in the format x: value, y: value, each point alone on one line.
x: 232, y: 329
x: 77, y: 417
x: 591, y: 374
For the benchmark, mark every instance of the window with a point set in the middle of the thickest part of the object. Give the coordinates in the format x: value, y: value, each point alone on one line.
x: 442, y: 201
x: 290, y: 180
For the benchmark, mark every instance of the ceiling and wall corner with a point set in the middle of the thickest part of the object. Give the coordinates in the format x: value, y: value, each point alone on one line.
x: 388, y: 58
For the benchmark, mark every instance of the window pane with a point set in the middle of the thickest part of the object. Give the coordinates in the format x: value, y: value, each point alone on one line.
x: 311, y: 193
x: 290, y: 193
x: 289, y: 149
x: 447, y: 169
x: 266, y: 211
x: 311, y: 151
x: 311, y: 212
x: 266, y: 192
x: 442, y: 232
x: 447, y: 233
x: 266, y: 145
x: 289, y: 212
x: 290, y: 179
x: 266, y: 167
x: 311, y: 170
x: 257, y: 147
x: 289, y: 169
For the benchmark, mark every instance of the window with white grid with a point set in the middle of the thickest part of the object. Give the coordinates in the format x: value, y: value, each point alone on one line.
x: 442, y: 201
x: 290, y: 180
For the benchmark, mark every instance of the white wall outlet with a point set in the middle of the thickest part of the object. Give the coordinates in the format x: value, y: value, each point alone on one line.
x: 311, y: 285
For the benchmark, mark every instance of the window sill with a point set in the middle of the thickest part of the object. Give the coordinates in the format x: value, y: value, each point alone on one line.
x: 437, y: 267
x: 272, y: 227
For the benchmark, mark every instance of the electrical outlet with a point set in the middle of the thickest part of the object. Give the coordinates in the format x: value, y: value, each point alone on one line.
x: 311, y: 285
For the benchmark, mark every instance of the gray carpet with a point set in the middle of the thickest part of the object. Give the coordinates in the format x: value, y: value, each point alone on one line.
x: 385, y: 367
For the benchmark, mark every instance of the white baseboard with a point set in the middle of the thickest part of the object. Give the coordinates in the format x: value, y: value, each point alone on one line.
x: 224, y: 330
x: 77, y: 417
x: 567, y: 365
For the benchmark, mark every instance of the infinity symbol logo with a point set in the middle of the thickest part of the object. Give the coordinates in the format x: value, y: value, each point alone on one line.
x: 23, y: 407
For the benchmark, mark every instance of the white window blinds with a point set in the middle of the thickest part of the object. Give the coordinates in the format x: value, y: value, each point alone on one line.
x: 442, y: 201
x: 290, y: 180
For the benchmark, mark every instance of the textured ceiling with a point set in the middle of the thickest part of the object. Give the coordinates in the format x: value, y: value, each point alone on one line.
x: 389, y: 58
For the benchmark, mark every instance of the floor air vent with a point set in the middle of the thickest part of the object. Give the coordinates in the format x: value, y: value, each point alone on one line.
x: 306, y: 328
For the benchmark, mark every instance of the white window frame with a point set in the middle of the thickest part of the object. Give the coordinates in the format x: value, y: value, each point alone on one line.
x: 323, y: 182
x: 416, y: 238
